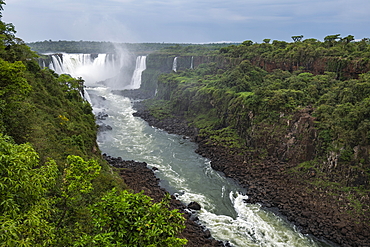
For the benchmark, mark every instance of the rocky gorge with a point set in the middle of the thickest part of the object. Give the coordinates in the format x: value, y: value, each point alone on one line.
x: 306, y: 168
x: 269, y: 183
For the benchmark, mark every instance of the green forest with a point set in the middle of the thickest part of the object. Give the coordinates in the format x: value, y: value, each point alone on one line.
x: 305, y: 103
x: 48, y: 46
x: 55, y: 189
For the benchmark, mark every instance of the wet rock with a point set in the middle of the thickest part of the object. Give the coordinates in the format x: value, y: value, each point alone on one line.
x: 104, y: 127
x: 194, y: 206
x: 207, y: 233
x: 102, y: 116
x: 194, y: 217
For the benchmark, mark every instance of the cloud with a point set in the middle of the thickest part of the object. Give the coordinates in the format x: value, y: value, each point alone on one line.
x: 180, y: 20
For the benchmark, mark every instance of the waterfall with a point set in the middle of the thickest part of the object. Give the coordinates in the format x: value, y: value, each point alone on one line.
x: 139, y: 68
x: 174, y: 65
x: 56, y: 64
x: 86, y: 96
x: 192, y: 62
x: 91, y: 67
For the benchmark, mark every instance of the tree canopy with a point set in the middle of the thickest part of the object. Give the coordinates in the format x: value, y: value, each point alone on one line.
x: 54, y: 184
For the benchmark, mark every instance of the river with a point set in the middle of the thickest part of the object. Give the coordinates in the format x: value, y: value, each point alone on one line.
x: 191, y: 177
x: 182, y: 172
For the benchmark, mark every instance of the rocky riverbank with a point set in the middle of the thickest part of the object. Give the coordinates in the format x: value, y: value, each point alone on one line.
x: 138, y: 177
x: 318, y: 212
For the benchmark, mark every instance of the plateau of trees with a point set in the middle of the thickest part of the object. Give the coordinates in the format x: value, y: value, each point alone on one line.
x: 55, y: 189
x: 110, y: 47
x: 343, y: 55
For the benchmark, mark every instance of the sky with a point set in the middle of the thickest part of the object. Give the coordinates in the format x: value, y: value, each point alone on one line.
x: 186, y: 21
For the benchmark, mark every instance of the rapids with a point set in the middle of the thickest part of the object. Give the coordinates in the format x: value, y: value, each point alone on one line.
x: 183, y: 172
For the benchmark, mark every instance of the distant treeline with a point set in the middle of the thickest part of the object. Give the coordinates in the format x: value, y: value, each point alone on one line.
x: 110, y: 47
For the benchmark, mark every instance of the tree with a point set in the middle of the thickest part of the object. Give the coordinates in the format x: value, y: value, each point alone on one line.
x: 1, y: 7
x: 297, y: 38
x: 125, y: 219
x: 247, y: 43
x: 14, y: 90
x: 331, y: 39
x: 366, y: 40
x: 348, y: 39
x: 77, y: 180
x: 280, y: 44
x: 267, y: 41
x: 25, y: 206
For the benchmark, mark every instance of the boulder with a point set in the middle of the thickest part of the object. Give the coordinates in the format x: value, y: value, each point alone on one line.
x: 104, y: 127
x: 194, y: 206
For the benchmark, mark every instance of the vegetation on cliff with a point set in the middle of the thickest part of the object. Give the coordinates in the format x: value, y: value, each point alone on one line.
x: 304, y: 103
x: 55, y: 189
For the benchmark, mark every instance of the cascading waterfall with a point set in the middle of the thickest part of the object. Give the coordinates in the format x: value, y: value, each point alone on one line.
x: 91, y: 67
x: 86, y: 96
x: 139, y: 68
x: 192, y: 62
x: 56, y: 64
x: 174, y: 65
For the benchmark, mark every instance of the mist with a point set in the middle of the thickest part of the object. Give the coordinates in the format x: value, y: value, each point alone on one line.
x: 185, y: 21
x: 115, y: 69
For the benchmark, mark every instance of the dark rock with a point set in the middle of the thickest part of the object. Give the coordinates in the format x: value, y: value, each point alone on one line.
x: 207, y: 233
x: 102, y: 116
x: 194, y: 217
x: 194, y: 206
x: 104, y: 127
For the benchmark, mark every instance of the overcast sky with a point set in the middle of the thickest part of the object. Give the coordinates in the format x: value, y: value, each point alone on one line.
x: 186, y: 21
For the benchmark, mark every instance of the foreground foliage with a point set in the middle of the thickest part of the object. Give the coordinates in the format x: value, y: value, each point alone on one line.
x: 33, y: 216
x: 125, y: 219
x: 24, y: 207
x: 54, y: 186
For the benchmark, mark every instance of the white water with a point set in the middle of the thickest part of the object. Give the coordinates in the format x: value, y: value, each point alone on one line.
x: 174, y: 65
x: 140, y: 67
x: 91, y: 67
x: 191, y: 177
x: 192, y: 63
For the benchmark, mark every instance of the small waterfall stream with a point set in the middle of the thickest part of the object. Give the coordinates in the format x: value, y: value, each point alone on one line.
x: 139, y: 68
x: 187, y: 174
x: 174, y: 65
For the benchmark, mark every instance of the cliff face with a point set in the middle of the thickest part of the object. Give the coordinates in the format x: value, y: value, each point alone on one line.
x: 157, y: 63
x: 344, y: 68
x: 291, y: 155
x: 274, y: 179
